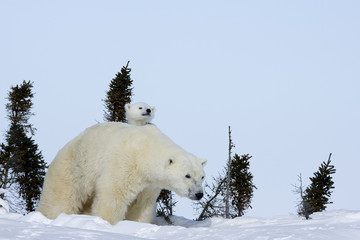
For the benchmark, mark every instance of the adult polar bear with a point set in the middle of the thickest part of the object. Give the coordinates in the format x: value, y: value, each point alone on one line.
x: 116, y: 171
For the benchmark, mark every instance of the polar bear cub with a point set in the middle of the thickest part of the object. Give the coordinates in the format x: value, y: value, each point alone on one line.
x: 139, y: 114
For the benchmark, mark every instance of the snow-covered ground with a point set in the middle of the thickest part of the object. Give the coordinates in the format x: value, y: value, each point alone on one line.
x: 332, y: 225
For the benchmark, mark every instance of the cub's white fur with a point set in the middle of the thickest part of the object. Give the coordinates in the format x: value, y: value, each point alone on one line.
x: 139, y: 114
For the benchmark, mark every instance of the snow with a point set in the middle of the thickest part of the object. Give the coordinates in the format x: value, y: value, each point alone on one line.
x: 331, y: 225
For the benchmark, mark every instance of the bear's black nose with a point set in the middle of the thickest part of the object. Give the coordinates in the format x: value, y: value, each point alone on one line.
x: 199, y: 195
x: 148, y: 110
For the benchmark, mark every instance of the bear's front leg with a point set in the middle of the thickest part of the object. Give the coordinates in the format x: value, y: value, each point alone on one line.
x: 112, y: 200
x: 144, y: 207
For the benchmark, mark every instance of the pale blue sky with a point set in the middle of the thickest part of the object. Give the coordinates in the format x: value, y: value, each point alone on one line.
x: 283, y: 74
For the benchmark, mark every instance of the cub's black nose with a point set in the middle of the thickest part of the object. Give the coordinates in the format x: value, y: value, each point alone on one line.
x: 148, y: 110
x: 199, y: 195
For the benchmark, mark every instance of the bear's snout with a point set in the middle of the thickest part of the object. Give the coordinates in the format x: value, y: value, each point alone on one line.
x: 148, y: 112
x: 199, y: 195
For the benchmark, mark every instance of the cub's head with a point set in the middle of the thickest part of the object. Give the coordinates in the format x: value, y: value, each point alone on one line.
x: 139, y: 113
x: 185, y: 175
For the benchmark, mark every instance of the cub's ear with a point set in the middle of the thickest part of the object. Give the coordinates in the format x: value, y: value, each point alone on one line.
x: 127, y: 106
x: 153, y: 109
x: 203, y: 161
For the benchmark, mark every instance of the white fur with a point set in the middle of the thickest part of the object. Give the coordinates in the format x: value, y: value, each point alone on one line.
x: 139, y: 114
x: 116, y: 171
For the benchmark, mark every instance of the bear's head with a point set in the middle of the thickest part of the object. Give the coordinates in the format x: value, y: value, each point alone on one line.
x: 139, y: 113
x: 185, y: 175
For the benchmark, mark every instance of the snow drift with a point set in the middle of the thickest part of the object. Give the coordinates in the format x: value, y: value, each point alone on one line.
x: 332, y: 225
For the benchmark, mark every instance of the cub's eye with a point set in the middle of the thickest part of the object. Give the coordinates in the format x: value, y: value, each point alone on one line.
x: 187, y: 176
x: 140, y: 108
x: 202, y: 177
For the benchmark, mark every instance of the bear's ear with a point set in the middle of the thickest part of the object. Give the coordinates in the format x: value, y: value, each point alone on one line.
x: 153, y: 109
x: 127, y: 106
x: 203, y: 161
x: 169, y: 162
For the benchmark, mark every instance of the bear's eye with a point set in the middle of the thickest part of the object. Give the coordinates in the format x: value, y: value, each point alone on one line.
x: 202, y: 177
x: 187, y: 176
x: 140, y: 108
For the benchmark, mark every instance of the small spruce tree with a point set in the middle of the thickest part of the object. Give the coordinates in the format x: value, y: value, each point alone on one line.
x: 119, y: 94
x: 241, y: 185
x: 240, y: 191
x: 20, y: 158
x: 318, y: 193
x: 231, y: 192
